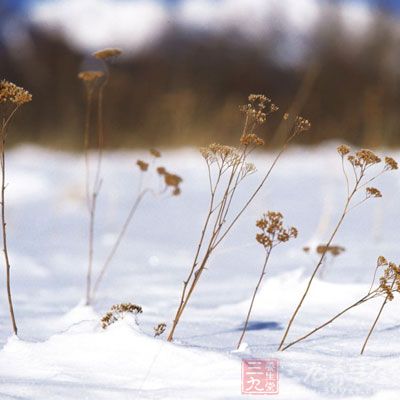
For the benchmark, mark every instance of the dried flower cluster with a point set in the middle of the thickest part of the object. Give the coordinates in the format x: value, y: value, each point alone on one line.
x: 258, y: 108
x: 90, y: 76
x: 272, y: 230
x: 389, y: 282
x: 9, y: 92
x: 272, y: 234
x: 118, y: 311
x: 143, y: 166
x: 360, y: 163
x: 302, y: 124
x: 159, y: 329
x: 362, y: 158
x: 106, y: 54
x: 332, y: 249
x: 227, y: 168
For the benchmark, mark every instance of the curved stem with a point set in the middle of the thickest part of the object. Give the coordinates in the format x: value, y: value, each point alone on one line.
x: 319, y: 264
x: 3, y: 220
x: 253, y: 298
x: 118, y: 242
x: 376, y: 321
x: 364, y: 299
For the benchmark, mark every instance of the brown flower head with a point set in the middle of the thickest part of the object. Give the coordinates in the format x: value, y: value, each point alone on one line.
x: 373, y: 192
x: 159, y: 329
x: 9, y: 92
x: 272, y: 230
x: 258, y: 108
x: 391, y: 163
x: 155, y: 153
x: 144, y: 166
x: 90, y: 76
x: 343, y: 150
x: 248, y: 139
x: 161, y: 171
x: 106, y: 54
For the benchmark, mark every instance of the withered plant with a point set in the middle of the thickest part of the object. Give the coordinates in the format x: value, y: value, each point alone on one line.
x: 160, y: 329
x: 168, y: 184
x: 389, y: 284
x: 227, y: 168
x: 118, y: 312
x: 12, y: 97
x: 95, y: 82
x: 272, y: 234
x: 363, y: 171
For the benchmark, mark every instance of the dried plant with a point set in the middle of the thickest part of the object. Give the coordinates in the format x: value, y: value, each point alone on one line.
x: 272, y: 234
x: 95, y: 82
x: 118, y: 312
x: 362, y: 172
x: 227, y: 169
x: 169, y: 184
x: 160, y: 329
x: 12, y: 97
x: 387, y: 286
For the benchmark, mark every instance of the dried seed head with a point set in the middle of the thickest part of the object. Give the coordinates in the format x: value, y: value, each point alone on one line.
x: 373, y: 192
x: 391, y: 163
x: 302, y: 124
x: 343, y: 150
x: 381, y: 261
x: 332, y: 249
x: 367, y: 157
x: 90, y: 76
x: 155, y: 153
x: 9, y: 92
x: 248, y: 139
x: 144, y: 166
x: 227, y: 155
x: 258, y: 108
x: 159, y: 329
x: 107, y: 53
x: 286, y: 116
x: 172, y: 179
x: 161, y: 171
x: 117, y: 311
x: 272, y: 230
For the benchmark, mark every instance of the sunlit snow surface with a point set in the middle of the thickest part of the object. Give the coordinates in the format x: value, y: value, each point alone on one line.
x: 62, y: 352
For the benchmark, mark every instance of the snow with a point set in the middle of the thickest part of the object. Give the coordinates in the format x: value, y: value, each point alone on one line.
x: 63, y: 353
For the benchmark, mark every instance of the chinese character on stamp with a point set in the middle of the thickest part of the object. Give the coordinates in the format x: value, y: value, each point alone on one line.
x: 260, y: 376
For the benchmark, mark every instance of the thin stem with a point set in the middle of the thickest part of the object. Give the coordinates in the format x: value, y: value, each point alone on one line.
x: 376, y: 321
x: 243, y: 209
x: 254, y: 296
x: 320, y: 262
x: 86, y: 143
x: 118, y: 241
x: 3, y: 220
x: 357, y: 303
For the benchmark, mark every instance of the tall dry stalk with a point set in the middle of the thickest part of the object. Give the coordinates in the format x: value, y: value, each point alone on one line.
x: 12, y: 98
x: 169, y: 181
x: 95, y: 82
x: 389, y: 283
x: 227, y: 168
x: 272, y: 234
x: 360, y: 164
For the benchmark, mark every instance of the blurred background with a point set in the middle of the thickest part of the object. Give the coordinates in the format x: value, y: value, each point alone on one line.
x: 188, y: 64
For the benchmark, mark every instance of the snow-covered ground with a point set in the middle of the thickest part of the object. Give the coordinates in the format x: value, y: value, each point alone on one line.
x: 63, y: 353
